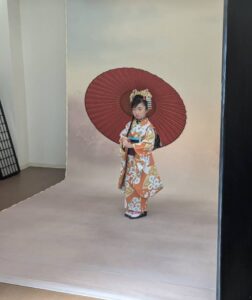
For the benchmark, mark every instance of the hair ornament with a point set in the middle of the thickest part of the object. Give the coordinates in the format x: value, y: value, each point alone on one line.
x: 146, y: 96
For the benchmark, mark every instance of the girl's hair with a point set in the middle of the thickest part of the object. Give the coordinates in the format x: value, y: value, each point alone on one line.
x: 138, y: 99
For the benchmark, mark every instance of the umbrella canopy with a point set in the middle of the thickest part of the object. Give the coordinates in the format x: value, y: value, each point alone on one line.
x: 108, y: 106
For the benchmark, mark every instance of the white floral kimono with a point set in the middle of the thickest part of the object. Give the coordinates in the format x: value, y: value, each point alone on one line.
x: 141, y: 180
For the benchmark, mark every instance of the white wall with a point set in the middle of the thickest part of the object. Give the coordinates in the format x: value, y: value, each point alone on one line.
x: 33, y: 79
x: 43, y: 29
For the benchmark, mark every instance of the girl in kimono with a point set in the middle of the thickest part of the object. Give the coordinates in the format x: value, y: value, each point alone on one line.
x: 139, y: 179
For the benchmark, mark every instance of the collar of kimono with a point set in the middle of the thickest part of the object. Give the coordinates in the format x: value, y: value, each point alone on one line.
x: 143, y: 121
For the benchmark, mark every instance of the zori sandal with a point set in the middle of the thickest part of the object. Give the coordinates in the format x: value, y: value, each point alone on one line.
x: 127, y: 214
x: 138, y: 215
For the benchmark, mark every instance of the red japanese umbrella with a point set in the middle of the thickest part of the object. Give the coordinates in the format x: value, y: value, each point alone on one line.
x: 108, y: 106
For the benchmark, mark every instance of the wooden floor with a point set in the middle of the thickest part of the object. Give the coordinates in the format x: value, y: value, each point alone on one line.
x: 16, y: 292
x: 17, y: 188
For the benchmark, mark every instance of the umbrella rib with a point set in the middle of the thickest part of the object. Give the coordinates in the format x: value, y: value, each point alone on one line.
x: 167, y: 133
x: 176, y: 121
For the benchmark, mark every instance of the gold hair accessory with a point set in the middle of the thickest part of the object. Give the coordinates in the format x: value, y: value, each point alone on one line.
x: 146, y: 95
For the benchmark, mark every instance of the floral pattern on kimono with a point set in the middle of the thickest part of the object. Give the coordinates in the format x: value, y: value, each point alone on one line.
x: 143, y: 174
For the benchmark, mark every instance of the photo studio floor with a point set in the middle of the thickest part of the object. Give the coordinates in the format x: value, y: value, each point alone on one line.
x: 69, y: 239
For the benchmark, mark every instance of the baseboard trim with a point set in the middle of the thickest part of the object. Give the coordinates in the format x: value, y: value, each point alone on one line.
x: 32, y: 164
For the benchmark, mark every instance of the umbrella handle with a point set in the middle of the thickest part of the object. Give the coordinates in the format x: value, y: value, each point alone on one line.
x: 125, y: 169
x: 126, y: 158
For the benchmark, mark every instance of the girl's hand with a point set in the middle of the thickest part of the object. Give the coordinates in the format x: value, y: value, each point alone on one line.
x: 127, y: 144
x: 122, y: 139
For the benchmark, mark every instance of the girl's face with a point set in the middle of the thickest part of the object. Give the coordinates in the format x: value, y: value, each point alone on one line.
x: 139, y: 111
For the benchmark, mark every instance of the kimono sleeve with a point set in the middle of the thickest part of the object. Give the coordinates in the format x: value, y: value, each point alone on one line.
x: 124, y: 131
x: 147, y: 144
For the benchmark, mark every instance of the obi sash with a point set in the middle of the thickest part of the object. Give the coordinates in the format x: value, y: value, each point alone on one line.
x: 133, y: 140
